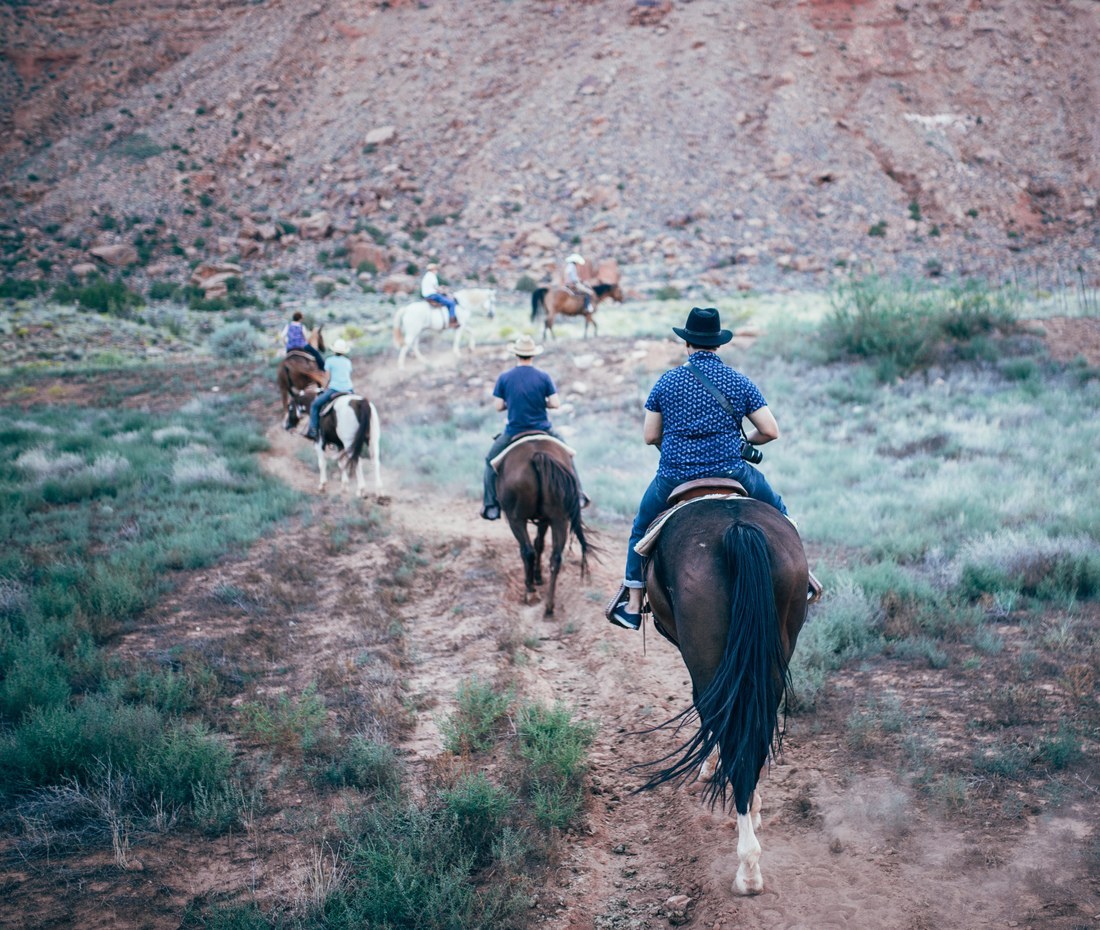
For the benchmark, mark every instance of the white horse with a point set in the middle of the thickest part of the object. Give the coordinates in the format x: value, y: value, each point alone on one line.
x: 410, y: 322
x: 350, y: 423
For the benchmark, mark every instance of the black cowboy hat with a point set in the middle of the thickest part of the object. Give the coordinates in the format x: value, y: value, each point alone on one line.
x: 703, y: 328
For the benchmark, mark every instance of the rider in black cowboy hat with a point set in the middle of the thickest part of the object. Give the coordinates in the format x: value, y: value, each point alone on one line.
x: 697, y: 439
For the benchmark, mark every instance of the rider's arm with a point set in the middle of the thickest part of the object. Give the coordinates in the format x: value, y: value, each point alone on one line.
x: 553, y: 402
x: 765, y: 427
x: 653, y: 429
x: 499, y: 403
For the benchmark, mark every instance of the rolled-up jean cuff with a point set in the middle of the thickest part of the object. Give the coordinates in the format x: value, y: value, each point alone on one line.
x: 640, y: 585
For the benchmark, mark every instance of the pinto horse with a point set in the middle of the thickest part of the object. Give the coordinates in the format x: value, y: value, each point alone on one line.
x: 412, y: 320
x: 536, y: 483
x: 557, y: 300
x: 727, y: 584
x: 297, y: 372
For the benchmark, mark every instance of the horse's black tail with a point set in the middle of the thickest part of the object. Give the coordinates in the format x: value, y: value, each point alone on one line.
x: 739, y: 711
x: 538, y: 295
x: 562, y: 485
x: 362, y: 435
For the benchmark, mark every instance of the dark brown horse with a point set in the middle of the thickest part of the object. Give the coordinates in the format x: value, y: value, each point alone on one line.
x: 727, y: 583
x: 560, y: 301
x: 536, y: 484
x: 297, y: 373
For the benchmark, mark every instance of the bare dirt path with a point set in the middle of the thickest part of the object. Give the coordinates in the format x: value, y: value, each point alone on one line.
x: 846, y: 843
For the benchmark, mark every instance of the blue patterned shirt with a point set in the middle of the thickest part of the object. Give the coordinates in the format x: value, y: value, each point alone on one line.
x: 700, y: 439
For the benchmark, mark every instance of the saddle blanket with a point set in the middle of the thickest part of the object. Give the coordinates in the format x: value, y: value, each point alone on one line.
x: 645, y: 545
x: 541, y: 437
x: 327, y: 407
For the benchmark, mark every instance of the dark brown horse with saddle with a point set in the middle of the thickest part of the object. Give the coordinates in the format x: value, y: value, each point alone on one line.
x: 299, y: 379
x: 536, y: 483
x: 727, y: 581
x: 560, y: 301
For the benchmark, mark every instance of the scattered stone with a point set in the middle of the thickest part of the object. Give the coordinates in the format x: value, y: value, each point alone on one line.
x: 84, y: 269
x: 381, y: 135
x: 316, y: 226
x: 117, y: 255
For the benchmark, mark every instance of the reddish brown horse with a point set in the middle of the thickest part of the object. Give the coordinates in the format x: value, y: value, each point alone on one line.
x: 297, y: 373
x: 560, y: 301
x: 727, y: 584
x: 536, y: 484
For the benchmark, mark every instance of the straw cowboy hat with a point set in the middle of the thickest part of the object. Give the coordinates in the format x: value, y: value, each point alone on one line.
x: 575, y: 258
x: 341, y: 347
x: 703, y: 328
x: 525, y: 347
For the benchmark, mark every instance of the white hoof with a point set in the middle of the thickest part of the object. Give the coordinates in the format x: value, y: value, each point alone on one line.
x: 749, y: 881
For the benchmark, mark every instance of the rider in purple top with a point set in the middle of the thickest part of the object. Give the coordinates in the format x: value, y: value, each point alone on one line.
x: 295, y: 335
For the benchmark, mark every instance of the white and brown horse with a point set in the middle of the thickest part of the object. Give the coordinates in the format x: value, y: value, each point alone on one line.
x: 350, y: 427
x: 411, y: 321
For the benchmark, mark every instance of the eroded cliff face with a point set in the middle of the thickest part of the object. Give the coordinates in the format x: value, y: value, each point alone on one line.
x: 735, y: 140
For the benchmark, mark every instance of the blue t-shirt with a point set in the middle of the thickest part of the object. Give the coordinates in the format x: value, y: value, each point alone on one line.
x: 524, y: 390
x: 339, y: 366
x: 700, y: 439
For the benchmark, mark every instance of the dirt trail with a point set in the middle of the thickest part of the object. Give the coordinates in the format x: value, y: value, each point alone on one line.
x: 844, y: 844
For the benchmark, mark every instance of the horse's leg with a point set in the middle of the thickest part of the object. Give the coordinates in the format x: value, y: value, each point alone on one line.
x: 754, y: 809
x: 558, y: 546
x: 401, y: 355
x: 748, y: 880
x: 360, y: 484
x: 458, y: 338
x: 375, y: 441
x: 709, y: 766
x: 322, y: 465
x: 527, y: 553
x: 540, y: 542
x: 416, y: 346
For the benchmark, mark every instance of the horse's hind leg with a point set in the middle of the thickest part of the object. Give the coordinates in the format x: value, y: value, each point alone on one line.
x: 558, y: 543
x: 540, y: 542
x: 527, y: 553
x: 749, y: 880
x: 322, y: 466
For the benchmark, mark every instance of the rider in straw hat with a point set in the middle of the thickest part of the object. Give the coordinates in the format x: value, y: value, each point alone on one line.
x: 573, y: 280
x: 337, y: 381
x: 697, y: 439
x: 526, y: 392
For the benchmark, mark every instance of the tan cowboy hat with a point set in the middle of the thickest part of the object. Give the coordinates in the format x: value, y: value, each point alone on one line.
x: 525, y: 347
x: 575, y: 258
x: 341, y: 347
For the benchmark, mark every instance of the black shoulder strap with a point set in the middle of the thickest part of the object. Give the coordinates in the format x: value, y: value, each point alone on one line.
x: 713, y: 389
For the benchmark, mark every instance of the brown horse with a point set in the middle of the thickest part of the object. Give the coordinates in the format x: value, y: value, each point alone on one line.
x: 727, y: 584
x: 560, y: 301
x: 297, y: 372
x: 536, y: 483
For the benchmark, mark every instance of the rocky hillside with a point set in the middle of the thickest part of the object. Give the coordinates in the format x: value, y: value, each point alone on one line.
x: 732, y: 142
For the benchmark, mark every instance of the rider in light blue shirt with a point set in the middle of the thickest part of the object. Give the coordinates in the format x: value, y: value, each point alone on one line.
x: 338, y: 369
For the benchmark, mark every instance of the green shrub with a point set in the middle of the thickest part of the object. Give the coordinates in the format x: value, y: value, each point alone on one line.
x: 368, y: 765
x: 21, y: 290
x: 555, y: 750
x: 234, y: 340
x: 101, y: 295
x: 477, y: 810
x: 667, y: 292
x: 164, y: 290
x: 137, y: 146
x: 288, y: 723
x: 473, y: 724
x: 323, y: 288
x: 526, y: 284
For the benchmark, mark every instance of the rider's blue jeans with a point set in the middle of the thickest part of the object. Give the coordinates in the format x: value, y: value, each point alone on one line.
x: 449, y: 302
x: 315, y: 408
x: 656, y: 495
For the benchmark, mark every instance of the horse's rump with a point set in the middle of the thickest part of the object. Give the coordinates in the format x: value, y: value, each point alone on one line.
x: 724, y: 580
